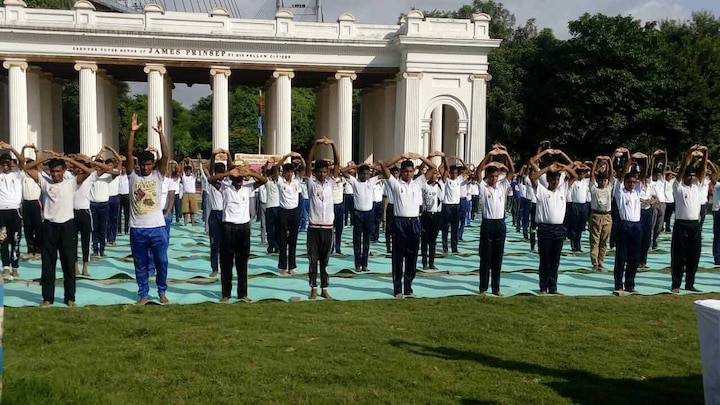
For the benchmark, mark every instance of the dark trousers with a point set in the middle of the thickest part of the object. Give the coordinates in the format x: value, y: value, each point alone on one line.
x: 216, y: 230
x: 475, y: 203
x: 235, y: 247
x: 716, y: 237
x: 389, y: 223
x: 83, y: 223
x: 289, y: 221
x: 99, y: 212
x: 338, y: 224
x: 550, y: 244
x: 615, y: 213
x: 319, y: 246
x: 303, y: 213
x: 273, y: 228
x: 533, y: 226
x: 685, y: 252
x: 124, y: 213
x: 58, y: 238
x: 32, y: 224
x: 113, y: 212
x: 525, y: 204
x: 178, y: 209
x: 349, y: 202
x: 430, y: 222
x: 463, y: 216
x: 646, y: 226
x: 669, y: 210
x: 451, y: 221
x: 703, y: 213
x: 492, y: 247
x: 627, y: 255
x: 10, y: 247
x: 658, y: 220
x: 577, y: 221
x: 377, y: 210
x: 362, y: 230
x: 406, y: 241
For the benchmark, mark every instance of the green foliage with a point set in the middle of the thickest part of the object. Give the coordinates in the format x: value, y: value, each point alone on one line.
x: 50, y: 4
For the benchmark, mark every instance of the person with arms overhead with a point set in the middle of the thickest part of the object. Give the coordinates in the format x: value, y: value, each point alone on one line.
x: 406, y: 192
x: 10, y: 204
x: 628, y: 198
x: 601, y: 191
x: 363, y: 190
x: 147, y: 224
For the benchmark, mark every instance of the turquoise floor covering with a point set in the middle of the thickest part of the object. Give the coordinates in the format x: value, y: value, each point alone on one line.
x: 112, y: 277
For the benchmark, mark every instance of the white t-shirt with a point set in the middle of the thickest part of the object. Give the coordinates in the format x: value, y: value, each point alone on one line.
x: 338, y: 188
x: 687, y: 200
x: 453, y: 190
x: 669, y: 198
x: 81, y: 197
x: 11, y: 190
x: 716, y: 196
x: 431, y: 198
x: 188, y: 183
x: 406, y: 197
x: 322, y: 211
x: 236, y: 202
x: 646, y: 192
x: 363, y: 192
x: 273, y: 194
x: 579, y: 191
x: 628, y: 202
x: 164, y: 193
x: 529, y: 190
x: 601, y: 198
x: 289, y: 193
x: 705, y: 186
x: 114, y: 186
x: 123, y: 186
x: 659, y: 189
x: 378, y: 191
x: 214, y: 196
x: 551, y: 205
x: 493, y: 199
x: 100, y: 188
x: 30, y: 188
x: 57, y: 205
x: 474, y: 189
x: 145, y: 208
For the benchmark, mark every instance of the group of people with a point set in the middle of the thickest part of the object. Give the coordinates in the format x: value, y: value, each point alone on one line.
x: 622, y: 198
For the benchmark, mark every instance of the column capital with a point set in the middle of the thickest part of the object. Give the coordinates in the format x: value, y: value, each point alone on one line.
x: 10, y: 63
x: 412, y: 75
x: 80, y: 65
x: 220, y: 70
x: 461, y: 133
x: 481, y: 76
x: 345, y: 74
x: 283, y: 72
x: 153, y: 67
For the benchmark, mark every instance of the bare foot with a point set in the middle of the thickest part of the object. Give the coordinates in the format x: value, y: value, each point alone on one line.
x: 6, y: 271
x: 292, y: 272
x: 45, y: 304
x: 77, y: 271
x: 325, y: 294
x: 399, y: 296
x: 15, y: 273
x: 283, y: 273
x: 313, y: 294
x: 498, y: 294
x: 71, y: 304
x: 224, y: 300
x: 142, y: 301
x: 163, y: 299
x: 213, y: 274
x: 246, y: 299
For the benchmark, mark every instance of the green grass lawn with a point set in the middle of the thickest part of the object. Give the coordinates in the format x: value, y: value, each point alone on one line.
x: 467, y: 350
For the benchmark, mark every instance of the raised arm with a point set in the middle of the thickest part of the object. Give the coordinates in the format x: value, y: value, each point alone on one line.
x: 481, y: 166
x: 426, y: 160
x: 703, y: 163
x: 84, y: 171
x: 685, y: 163
x: 385, y: 165
x: 162, y: 163
x: 20, y: 158
x: 536, y: 174
x: 134, y: 126
x: 31, y: 169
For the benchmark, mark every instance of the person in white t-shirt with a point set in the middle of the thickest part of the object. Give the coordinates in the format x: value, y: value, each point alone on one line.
x: 10, y: 205
x: 59, y: 232
x: 714, y: 178
x: 658, y: 184
x: 493, y: 195
x: 31, y: 210
x: 124, y: 195
x: 321, y: 215
x: 669, y: 198
x: 453, y: 184
x: 289, y: 191
x: 601, y: 190
x: 214, y: 204
x: 629, y: 197
x: 686, y: 242
x: 189, y: 200
x: 147, y: 224
x: 364, y: 216
x: 430, y: 220
x: 235, y: 243
x: 550, y: 214
x: 406, y: 192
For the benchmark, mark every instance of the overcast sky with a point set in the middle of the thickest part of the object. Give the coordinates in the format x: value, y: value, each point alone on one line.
x: 553, y: 14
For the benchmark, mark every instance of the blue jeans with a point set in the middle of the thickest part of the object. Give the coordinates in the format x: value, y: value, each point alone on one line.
x: 168, y: 221
x: 304, y: 208
x: 100, y: 213
x: 362, y: 232
x: 215, y: 229
x: 142, y: 242
x: 339, y: 210
x: 178, y: 209
x: 646, y: 225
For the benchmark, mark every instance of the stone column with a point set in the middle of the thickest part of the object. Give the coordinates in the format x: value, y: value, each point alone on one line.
x: 450, y: 130
x: 344, y: 141
x: 17, y: 107
x: 332, y: 110
x: 283, y: 100
x: 57, y: 126
x: 156, y: 101
x: 461, y: 146
x: 436, y: 132
x: 101, y: 108
x: 113, y: 128
x: 34, y: 108
x: 407, y: 125
x: 270, y: 118
x: 47, y: 113
x: 368, y: 124
x: 385, y: 136
x: 478, y: 118
x: 220, y: 127
x: 168, y: 116
x: 4, y: 107
x: 89, y: 142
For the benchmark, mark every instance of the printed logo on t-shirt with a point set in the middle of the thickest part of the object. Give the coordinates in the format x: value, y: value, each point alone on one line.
x: 145, y: 197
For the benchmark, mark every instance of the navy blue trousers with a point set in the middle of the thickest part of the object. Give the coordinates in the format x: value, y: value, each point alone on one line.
x: 627, y: 253
x: 362, y: 232
x: 406, y: 241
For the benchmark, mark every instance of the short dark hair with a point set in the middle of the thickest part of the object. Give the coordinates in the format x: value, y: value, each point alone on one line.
x: 491, y: 170
x: 629, y: 175
x: 56, y: 162
x: 394, y: 169
x: 5, y: 156
x: 363, y: 169
x: 320, y: 164
x: 288, y: 167
x: 553, y: 175
x: 406, y: 163
x: 219, y: 166
x: 145, y: 156
x: 600, y: 177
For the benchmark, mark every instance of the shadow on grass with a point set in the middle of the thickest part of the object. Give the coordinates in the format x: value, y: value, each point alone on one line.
x: 579, y: 386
